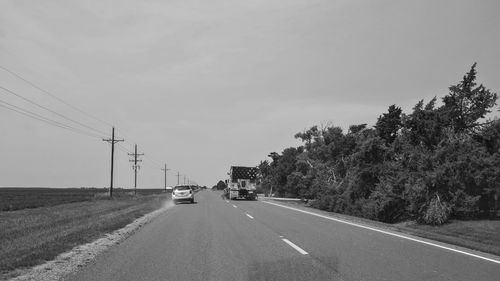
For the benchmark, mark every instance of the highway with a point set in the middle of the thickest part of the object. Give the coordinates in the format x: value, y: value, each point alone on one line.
x: 216, y: 239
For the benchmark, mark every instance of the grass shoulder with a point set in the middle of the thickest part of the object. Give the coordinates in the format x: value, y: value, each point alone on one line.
x: 32, y: 236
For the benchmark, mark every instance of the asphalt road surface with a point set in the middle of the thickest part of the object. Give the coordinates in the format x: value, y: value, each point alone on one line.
x: 216, y: 239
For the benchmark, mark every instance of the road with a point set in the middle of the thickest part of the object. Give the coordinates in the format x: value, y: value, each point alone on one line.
x: 216, y: 239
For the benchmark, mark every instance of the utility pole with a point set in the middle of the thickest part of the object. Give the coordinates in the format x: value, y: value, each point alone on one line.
x: 184, y: 179
x: 178, y: 175
x: 165, y: 170
x: 112, y: 141
x: 135, y: 166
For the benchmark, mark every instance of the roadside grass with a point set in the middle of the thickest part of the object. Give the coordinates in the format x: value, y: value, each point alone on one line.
x: 480, y: 235
x: 18, y: 198
x: 31, y: 236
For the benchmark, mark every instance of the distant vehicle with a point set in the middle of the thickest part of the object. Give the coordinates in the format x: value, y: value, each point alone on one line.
x: 242, y: 183
x: 183, y: 193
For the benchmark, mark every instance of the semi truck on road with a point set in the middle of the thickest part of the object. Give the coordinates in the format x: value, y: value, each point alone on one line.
x: 242, y: 183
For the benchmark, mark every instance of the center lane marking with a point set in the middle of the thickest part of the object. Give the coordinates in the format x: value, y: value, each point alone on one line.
x: 235, y: 206
x: 299, y: 249
x: 249, y: 216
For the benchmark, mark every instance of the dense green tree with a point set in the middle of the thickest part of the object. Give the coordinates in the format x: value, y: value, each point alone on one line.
x: 424, y: 126
x: 220, y: 185
x: 466, y: 104
x: 489, y: 136
x: 388, y: 124
x: 430, y: 165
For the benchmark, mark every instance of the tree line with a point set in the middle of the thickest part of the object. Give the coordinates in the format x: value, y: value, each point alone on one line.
x: 429, y: 165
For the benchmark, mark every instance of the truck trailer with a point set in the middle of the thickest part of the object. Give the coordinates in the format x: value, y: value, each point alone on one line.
x: 242, y: 183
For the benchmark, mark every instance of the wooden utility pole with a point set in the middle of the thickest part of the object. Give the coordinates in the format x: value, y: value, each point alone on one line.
x: 165, y: 170
x: 135, y: 166
x: 112, y: 141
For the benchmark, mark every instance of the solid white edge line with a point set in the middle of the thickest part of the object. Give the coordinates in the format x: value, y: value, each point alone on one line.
x: 387, y: 232
x: 249, y: 216
x: 300, y: 250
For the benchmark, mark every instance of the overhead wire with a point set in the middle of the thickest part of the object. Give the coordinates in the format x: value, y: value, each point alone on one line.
x: 48, y: 109
x: 59, y: 124
x: 130, y: 152
x: 159, y: 166
x: 54, y: 96
x: 36, y: 116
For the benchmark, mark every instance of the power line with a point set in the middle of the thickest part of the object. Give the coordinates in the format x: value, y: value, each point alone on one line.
x: 56, y: 123
x: 157, y: 163
x: 54, y: 96
x: 150, y: 159
x: 39, y: 117
x: 123, y: 149
x: 48, y: 109
x: 127, y: 151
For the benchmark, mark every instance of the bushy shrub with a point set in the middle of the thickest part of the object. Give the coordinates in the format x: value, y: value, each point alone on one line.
x: 437, y: 212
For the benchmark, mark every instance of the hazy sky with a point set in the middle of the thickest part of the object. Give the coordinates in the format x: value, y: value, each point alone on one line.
x: 203, y: 85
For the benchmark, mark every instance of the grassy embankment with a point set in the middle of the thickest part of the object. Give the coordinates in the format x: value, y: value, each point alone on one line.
x: 480, y: 235
x: 31, y: 236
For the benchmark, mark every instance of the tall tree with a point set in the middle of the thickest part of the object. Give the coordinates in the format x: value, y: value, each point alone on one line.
x: 466, y: 103
x: 388, y: 124
x: 425, y: 125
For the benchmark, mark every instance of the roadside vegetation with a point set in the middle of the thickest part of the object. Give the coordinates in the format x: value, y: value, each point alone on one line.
x: 481, y: 235
x: 31, y: 236
x: 438, y: 162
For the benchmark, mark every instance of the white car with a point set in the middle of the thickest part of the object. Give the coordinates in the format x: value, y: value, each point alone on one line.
x: 183, y: 193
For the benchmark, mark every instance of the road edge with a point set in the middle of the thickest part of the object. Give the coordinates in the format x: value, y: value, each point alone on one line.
x: 396, y: 233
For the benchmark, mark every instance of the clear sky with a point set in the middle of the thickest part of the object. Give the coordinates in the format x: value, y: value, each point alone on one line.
x: 203, y: 85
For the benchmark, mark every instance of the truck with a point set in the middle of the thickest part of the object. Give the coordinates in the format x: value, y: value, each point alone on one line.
x: 242, y: 183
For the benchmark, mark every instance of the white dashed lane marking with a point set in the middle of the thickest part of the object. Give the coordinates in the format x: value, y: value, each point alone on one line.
x: 387, y: 233
x: 300, y: 250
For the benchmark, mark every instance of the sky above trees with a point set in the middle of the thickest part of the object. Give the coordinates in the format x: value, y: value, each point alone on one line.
x: 203, y: 85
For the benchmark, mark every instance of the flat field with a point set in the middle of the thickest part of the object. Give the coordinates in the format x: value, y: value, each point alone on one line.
x: 31, y: 236
x: 19, y: 198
